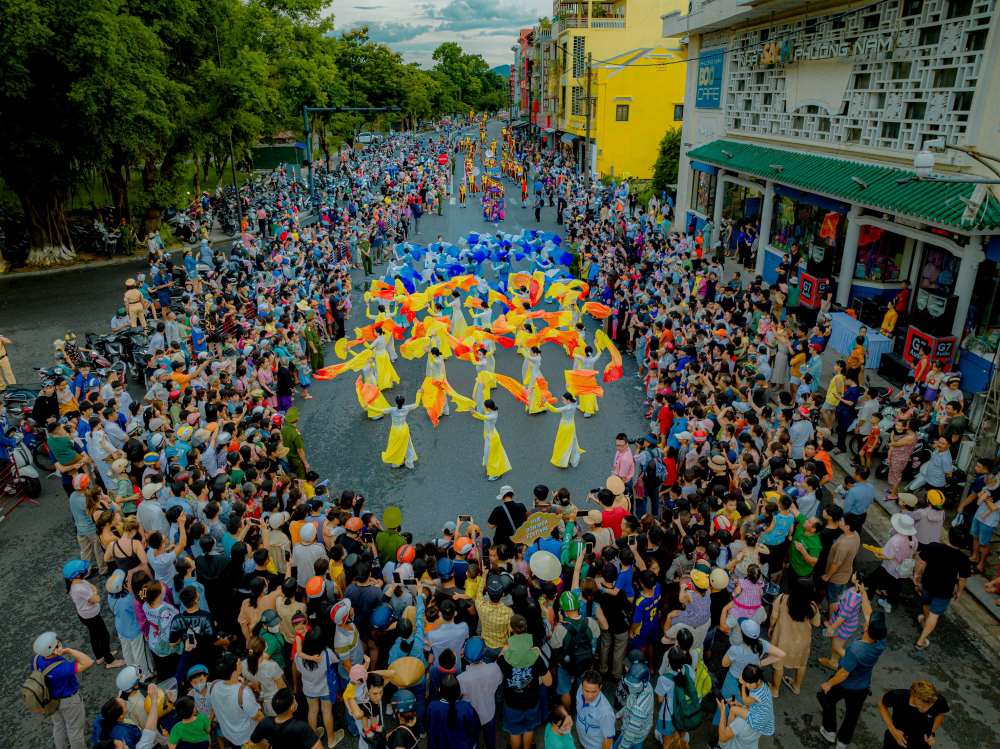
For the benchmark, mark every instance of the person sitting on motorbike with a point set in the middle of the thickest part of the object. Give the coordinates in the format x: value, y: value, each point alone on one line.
x: 120, y: 322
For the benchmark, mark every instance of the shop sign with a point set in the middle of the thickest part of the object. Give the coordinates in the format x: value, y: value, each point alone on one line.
x: 708, y: 94
x: 790, y: 51
x: 918, y: 343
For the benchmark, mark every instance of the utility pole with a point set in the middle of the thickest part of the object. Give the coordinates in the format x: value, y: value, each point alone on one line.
x: 586, y: 143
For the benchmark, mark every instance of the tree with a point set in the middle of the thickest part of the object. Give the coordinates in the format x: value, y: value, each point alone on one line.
x: 667, y: 160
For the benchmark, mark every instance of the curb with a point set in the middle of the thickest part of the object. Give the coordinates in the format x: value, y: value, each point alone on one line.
x: 83, y: 265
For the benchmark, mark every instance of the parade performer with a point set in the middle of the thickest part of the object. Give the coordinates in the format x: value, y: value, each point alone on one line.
x: 369, y: 396
x: 566, y: 450
x: 387, y: 375
x: 485, y: 375
x: 399, y: 449
x: 494, y: 456
x: 435, y: 375
x: 586, y: 360
x: 458, y: 322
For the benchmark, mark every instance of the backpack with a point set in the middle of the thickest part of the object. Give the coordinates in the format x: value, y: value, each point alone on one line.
x: 35, y: 690
x: 577, y: 648
x: 686, y: 714
x: 702, y: 678
x: 658, y: 466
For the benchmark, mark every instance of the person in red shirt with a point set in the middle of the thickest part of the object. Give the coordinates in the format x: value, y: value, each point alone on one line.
x: 664, y: 416
x: 611, y: 514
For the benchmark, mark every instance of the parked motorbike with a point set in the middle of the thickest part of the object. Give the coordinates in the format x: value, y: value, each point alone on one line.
x: 33, y: 438
x: 18, y: 478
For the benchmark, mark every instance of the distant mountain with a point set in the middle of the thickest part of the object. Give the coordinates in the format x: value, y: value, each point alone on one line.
x: 502, y: 70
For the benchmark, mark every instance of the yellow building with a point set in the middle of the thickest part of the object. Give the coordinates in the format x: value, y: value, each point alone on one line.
x: 633, y: 98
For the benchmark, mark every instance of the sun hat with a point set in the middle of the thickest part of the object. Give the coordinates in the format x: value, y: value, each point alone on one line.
x: 907, y: 500
x: 392, y: 517
x: 545, y: 566
x: 149, y: 490
x: 935, y: 497
x: 615, y: 485
x: 594, y: 518
x: 120, y: 465
x: 505, y: 490
x: 904, y: 524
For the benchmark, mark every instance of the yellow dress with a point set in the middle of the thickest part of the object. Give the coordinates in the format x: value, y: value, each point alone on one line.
x: 494, y: 456
x: 399, y: 449
x: 566, y: 450
x: 587, y: 401
x: 387, y: 376
x: 376, y: 409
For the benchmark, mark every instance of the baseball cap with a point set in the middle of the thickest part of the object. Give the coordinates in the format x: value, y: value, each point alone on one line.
x: 314, y: 587
x: 750, y: 628
x: 505, y: 491
x: 446, y: 569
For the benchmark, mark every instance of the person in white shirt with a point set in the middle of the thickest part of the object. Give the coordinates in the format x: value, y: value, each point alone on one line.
x: 236, y: 709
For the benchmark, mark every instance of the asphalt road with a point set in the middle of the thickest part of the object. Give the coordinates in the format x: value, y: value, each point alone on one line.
x: 447, y: 480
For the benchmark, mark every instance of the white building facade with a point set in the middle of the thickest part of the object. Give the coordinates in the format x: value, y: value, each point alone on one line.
x: 805, y: 125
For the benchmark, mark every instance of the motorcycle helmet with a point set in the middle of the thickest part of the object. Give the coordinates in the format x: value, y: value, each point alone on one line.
x: 121, y: 312
x: 382, y: 617
x: 156, y: 441
x: 637, y: 676
x: 45, y: 644
x: 127, y: 678
x: 81, y: 481
x: 404, y: 701
x: 184, y: 432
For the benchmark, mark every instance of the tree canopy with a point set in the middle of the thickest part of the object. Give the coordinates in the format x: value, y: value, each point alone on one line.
x: 135, y: 92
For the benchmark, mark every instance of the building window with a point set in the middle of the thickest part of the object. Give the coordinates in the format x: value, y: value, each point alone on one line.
x: 915, y: 110
x: 576, y: 100
x: 976, y: 40
x: 621, y: 113
x: 945, y: 77
x: 912, y: 7
x: 901, y: 70
x: 562, y: 104
x: 678, y: 112
x: 959, y: 8
x: 579, y: 57
x: 929, y: 35
x: 963, y: 101
x: 890, y: 130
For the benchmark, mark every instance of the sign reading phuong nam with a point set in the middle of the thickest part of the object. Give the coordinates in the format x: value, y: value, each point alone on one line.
x: 708, y: 94
x: 789, y: 51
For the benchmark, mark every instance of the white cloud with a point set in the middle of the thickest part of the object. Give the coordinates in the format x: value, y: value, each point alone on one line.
x: 415, y: 28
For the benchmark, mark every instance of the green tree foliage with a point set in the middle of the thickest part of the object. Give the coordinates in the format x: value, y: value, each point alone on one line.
x: 134, y: 92
x: 667, y: 160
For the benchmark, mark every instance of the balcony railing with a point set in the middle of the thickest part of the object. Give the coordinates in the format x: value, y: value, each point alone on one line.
x: 607, y: 23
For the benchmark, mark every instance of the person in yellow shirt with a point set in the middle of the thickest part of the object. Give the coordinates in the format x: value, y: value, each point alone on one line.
x: 833, y: 392
x: 855, y: 366
x: 889, y: 321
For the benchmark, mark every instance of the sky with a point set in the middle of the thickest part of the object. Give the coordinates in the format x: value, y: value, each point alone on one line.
x: 415, y: 28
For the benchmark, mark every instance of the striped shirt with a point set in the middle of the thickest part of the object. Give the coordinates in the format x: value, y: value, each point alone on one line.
x: 760, y: 716
x: 494, y: 619
x: 848, y: 609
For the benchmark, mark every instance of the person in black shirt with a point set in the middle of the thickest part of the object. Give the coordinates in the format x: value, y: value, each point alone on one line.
x: 940, y: 577
x: 284, y: 731
x: 507, y: 518
x: 912, y: 716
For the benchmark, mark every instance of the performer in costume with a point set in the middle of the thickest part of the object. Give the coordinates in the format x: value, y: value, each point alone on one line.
x: 387, y: 375
x: 435, y: 372
x: 494, y: 456
x: 369, y: 376
x: 486, y: 368
x: 399, y: 449
x: 566, y: 451
x: 586, y: 359
x: 458, y: 322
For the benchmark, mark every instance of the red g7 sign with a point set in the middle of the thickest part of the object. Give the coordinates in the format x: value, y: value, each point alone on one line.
x: 442, y: 159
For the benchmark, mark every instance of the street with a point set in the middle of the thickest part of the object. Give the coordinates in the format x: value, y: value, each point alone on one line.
x: 448, y: 480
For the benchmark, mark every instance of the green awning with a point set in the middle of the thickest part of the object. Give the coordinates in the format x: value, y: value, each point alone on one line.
x: 875, y: 186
